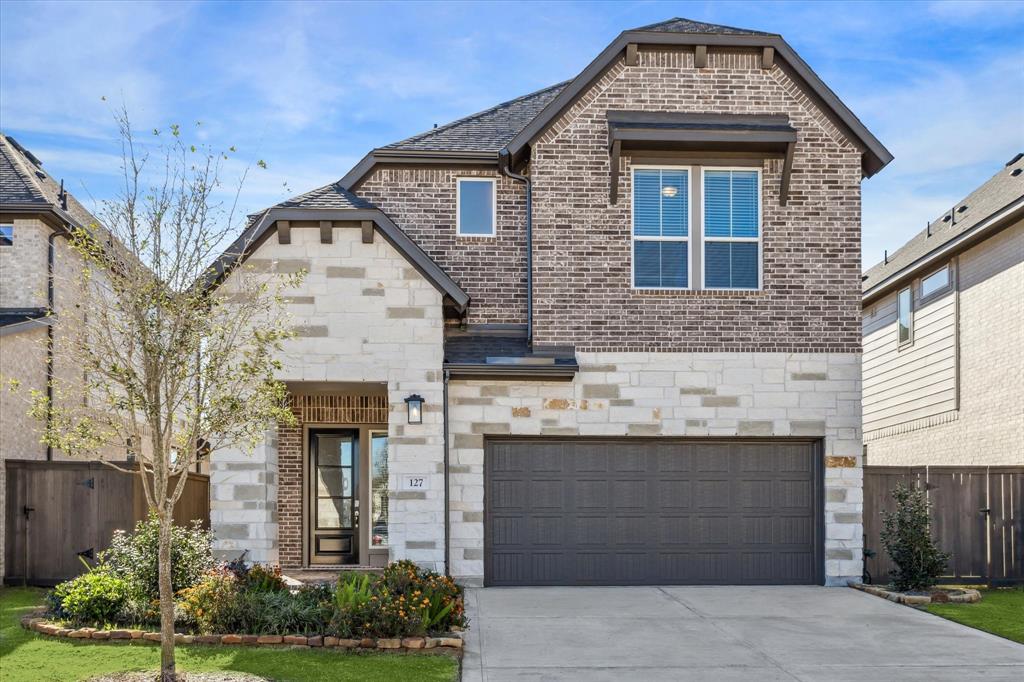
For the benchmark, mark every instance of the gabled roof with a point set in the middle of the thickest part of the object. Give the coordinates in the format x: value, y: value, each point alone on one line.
x: 511, y: 127
x: 488, y: 130
x: 333, y: 202
x: 328, y: 196
x: 680, y: 25
x: 26, y: 188
x: 995, y: 203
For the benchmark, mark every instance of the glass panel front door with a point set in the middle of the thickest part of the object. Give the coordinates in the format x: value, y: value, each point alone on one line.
x: 334, y: 531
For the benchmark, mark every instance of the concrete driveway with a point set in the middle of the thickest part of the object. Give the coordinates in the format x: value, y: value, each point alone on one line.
x: 721, y: 634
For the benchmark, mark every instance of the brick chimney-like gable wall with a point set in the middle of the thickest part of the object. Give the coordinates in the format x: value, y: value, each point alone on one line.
x: 582, y: 243
x: 492, y: 270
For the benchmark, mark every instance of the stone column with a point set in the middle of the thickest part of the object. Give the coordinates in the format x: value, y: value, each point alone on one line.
x: 243, y: 502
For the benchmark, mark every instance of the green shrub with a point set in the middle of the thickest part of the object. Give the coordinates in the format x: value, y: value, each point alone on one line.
x: 134, y: 556
x: 437, y: 599
x: 906, y: 536
x: 94, y: 597
x: 258, y: 578
x: 354, y: 589
x: 213, y: 604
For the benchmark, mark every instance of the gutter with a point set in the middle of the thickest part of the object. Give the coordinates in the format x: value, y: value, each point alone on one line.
x: 504, y: 165
x: 995, y: 222
x: 50, y: 259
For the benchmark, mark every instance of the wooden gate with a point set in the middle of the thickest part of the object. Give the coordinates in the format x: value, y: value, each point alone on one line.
x: 60, y: 511
x: 977, y: 515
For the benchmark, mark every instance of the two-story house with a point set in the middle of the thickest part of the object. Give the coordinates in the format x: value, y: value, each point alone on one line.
x: 943, y: 331
x: 36, y: 213
x: 604, y: 333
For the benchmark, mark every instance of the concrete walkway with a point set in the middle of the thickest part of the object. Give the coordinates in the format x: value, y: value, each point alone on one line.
x: 720, y: 633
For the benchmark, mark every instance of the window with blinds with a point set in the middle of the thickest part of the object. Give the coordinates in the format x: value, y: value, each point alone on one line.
x: 661, y: 228
x: 732, y: 229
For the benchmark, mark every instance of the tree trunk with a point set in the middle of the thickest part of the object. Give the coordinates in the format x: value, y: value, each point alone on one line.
x: 167, y: 673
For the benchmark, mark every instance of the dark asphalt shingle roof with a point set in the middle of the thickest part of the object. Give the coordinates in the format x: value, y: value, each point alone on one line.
x: 486, y: 131
x: 9, y: 316
x: 475, y: 349
x: 23, y: 181
x: 329, y: 196
x: 1000, y: 190
x: 680, y: 25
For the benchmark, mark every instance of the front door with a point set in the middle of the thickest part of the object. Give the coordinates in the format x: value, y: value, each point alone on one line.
x: 334, y: 496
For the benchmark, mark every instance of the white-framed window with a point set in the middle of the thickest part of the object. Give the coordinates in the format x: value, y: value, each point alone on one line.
x: 905, y: 316
x: 6, y: 235
x: 731, y: 228
x: 476, y: 207
x: 661, y: 228
x: 936, y: 282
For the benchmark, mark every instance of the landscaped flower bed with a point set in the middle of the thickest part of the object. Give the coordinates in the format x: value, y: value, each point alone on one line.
x: 403, y: 607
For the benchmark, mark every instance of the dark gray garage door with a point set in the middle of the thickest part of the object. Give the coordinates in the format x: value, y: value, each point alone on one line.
x: 648, y: 512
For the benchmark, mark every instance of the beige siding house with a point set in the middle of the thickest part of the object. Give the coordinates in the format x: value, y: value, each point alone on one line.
x: 943, y: 372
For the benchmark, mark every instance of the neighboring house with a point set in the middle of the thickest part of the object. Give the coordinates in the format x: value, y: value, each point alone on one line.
x: 630, y: 304
x: 943, y: 336
x: 38, y: 271
x: 35, y: 215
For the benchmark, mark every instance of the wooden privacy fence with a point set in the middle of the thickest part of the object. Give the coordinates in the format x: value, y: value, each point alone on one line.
x: 977, y: 515
x: 59, y: 511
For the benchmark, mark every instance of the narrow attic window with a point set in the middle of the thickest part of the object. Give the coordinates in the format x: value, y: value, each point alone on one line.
x: 475, y: 207
x: 6, y: 235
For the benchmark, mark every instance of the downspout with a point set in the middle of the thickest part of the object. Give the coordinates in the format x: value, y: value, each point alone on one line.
x: 505, y: 165
x: 50, y: 259
x: 447, y: 512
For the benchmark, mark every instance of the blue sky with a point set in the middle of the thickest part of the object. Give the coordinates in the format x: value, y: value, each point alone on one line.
x: 311, y: 87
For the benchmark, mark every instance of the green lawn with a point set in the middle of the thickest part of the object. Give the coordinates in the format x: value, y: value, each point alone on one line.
x: 27, y: 656
x: 1000, y: 612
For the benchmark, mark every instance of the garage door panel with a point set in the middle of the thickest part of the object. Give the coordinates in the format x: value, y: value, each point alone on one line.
x: 615, y: 512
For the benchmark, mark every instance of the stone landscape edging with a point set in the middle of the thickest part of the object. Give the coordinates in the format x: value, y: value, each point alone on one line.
x: 451, y: 643
x: 968, y: 596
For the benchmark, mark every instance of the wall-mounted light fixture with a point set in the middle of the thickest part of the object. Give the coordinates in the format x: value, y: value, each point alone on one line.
x: 414, y: 404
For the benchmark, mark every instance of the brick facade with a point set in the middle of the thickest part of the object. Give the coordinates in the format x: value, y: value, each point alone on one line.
x: 492, y: 270
x: 810, y: 301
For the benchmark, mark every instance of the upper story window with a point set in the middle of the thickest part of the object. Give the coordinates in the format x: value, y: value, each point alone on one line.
x: 661, y: 228
x: 905, y: 316
x: 732, y: 228
x: 6, y: 235
x: 476, y: 207
x: 935, y: 282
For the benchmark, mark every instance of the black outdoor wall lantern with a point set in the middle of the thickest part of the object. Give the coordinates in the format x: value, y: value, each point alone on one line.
x: 414, y: 404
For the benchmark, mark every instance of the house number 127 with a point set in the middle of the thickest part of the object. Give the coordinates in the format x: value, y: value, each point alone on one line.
x: 415, y: 483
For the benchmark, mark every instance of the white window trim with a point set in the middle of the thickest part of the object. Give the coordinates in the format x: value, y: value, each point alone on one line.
x: 633, y: 239
x: 704, y: 239
x: 494, y: 207
x: 910, y: 327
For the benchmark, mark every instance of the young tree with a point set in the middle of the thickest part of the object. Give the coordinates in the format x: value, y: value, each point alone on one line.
x: 164, y: 364
x: 906, y: 536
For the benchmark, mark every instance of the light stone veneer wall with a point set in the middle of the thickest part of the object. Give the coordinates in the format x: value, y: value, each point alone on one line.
x: 364, y: 314
x: 672, y: 394
x: 988, y: 427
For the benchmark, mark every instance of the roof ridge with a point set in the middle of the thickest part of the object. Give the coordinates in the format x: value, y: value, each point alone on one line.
x: 26, y: 175
x: 696, y: 23
x: 420, y: 136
